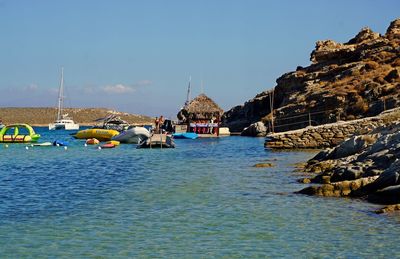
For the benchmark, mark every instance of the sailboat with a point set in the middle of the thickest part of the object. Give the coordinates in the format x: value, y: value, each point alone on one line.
x: 62, y: 121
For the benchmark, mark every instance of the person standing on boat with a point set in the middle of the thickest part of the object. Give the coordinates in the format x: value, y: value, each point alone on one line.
x: 160, y: 123
x: 157, y: 125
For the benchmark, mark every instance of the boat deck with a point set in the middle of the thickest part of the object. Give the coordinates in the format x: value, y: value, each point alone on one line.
x: 158, y: 141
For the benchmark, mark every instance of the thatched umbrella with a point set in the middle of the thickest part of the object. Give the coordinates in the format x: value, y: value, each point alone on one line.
x: 200, y: 108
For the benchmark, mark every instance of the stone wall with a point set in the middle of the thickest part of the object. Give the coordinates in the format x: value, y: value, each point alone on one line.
x: 323, y: 136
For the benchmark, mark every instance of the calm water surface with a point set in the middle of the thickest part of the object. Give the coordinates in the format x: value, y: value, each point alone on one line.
x: 202, y: 199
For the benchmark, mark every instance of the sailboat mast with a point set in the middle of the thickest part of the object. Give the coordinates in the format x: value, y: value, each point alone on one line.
x: 188, y: 92
x: 60, y: 95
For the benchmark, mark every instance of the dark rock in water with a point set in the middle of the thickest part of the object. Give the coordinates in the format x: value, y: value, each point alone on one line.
x: 390, y: 177
x: 387, y: 209
x: 339, y: 189
x: 390, y: 195
x: 263, y: 165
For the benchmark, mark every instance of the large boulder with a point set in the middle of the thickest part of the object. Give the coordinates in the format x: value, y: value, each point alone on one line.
x: 257, y: 129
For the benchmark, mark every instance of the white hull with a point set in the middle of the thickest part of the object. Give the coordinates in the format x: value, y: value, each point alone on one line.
x: 63, y: 126
x: 134, y: 135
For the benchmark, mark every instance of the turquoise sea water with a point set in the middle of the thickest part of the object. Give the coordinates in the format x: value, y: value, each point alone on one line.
x: 201, y: 200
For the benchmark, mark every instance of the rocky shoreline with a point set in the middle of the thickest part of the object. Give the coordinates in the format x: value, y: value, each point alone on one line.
x: 365, y: 166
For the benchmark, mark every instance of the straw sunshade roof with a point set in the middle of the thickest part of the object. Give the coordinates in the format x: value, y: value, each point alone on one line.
x: 201, y: 107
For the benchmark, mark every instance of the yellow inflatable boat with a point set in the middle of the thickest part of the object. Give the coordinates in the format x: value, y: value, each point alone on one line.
x: 100, y: 134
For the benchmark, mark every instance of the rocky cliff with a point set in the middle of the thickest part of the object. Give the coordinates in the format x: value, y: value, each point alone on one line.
x: 345, y: 81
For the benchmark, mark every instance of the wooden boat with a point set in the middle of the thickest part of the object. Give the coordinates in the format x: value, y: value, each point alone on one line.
x: 158, y: 141
x: 100, y: 134
x: 18, y: 133
x: 133, y: 135
x: 185, y: 135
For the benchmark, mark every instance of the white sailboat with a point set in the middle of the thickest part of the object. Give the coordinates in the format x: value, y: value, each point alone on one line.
x: 62, y: 121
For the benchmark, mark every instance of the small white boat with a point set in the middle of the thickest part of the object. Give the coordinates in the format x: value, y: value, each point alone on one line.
x: 133, y: 135
x: 62, y: 121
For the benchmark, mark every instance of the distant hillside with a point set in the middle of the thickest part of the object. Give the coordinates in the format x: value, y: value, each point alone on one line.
x: 83, y: 116
x: 345, y: 81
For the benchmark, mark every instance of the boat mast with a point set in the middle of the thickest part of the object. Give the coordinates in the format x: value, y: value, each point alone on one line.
x: 188, y: 92
x: 60, y: 95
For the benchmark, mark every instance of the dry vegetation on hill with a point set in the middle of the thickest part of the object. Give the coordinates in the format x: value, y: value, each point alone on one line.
x: 84, y: 116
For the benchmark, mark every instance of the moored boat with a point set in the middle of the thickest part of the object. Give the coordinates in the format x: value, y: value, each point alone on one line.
x: 133, y: 135
x: 60, y: 143
x: 100, y: 134
x: 62, y: 121
x: 158, y: 141
x: 185, y: 135
x: 18, y: 133
x: 44, y: 144
x: 110, y: 144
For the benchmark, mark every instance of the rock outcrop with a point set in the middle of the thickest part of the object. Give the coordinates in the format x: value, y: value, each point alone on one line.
x: 345, y: 81
x: 366, y: 165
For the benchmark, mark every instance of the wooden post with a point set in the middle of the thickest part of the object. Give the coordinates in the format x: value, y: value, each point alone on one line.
x: 271, y: 108
x: 218, y: 123
x: 309, y: 119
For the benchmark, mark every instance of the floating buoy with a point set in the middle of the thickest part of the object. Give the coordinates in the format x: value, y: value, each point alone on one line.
x: 85, y: 145
x: 31, y: 145
x: 26, y: 147
x: 6, y: 146
x: 92, y: 141
x: 65, y: 147
x: 57, y: 145
x: 98, y: 147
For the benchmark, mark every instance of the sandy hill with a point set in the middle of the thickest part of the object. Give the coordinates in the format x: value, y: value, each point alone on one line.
x: 345, y: 81
x: 84, y: 116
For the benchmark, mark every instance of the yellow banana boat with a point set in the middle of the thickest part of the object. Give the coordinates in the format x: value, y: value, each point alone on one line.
x: 100, y: 134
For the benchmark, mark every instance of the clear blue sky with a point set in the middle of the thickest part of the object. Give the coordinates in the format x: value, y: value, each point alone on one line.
x: 137, y: 56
